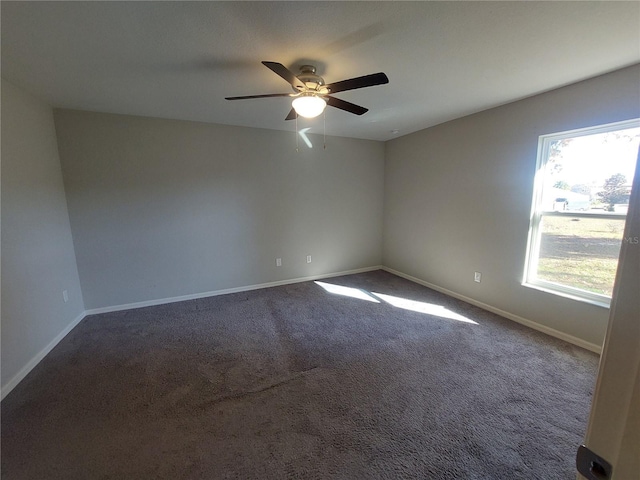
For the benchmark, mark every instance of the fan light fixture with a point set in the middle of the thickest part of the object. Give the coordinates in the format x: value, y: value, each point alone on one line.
x: 309, y: 105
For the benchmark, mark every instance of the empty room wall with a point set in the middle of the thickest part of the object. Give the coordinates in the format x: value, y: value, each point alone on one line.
x: 163, y: 208
x: 458, y: 199
x: 38, y: 260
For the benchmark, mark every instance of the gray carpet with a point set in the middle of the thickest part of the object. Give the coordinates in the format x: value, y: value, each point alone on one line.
x: 297, y: 382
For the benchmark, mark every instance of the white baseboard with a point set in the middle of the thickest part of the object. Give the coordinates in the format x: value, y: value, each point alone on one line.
x: 516, y: 318
x: 24, y: 371
x: 182, y: 298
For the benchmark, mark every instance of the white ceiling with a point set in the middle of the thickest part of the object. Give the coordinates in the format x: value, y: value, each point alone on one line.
x: 180, y: 59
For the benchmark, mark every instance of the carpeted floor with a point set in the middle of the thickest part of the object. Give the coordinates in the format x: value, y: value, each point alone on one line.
x: 299, y: 382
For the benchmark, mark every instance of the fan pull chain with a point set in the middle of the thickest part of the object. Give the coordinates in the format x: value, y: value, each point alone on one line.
x: 297, y: 133
x: 324, y: 121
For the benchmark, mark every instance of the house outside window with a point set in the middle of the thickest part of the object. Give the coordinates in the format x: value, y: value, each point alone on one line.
x: 581, y: 195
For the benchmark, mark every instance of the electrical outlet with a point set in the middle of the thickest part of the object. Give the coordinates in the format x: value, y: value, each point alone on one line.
x: 477, y: 277
x: 308, y: 258
x: 278, y: 262
x: 65, y: 296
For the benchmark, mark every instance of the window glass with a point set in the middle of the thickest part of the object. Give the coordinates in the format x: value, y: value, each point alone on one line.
x: 580, y: 252
x: 581, y: 197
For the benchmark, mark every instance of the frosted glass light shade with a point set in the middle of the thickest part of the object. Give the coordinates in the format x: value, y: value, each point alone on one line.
x: 308, y: 106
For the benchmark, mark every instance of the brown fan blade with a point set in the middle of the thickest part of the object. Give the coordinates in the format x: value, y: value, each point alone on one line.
x: 358, y: 82
x: 285, y: 73
x: 292, y: 115
x: 261, y: 96
x: 346, y: 106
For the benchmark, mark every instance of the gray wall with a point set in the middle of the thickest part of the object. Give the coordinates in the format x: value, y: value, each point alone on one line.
x: 164, y: 208
x: 38, y: 260
x: 458, y: 198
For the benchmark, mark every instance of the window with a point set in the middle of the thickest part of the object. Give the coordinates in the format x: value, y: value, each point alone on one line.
x: 581, y: 195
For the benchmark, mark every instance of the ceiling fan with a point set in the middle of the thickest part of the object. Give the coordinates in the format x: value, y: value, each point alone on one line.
x: 311, y: 94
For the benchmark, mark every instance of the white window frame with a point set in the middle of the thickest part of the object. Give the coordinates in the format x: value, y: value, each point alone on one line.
x: 533, y: 244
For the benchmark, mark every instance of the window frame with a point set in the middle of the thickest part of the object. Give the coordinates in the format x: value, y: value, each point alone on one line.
x: 534, y: 239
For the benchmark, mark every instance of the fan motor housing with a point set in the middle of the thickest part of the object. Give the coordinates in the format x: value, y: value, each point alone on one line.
x: 308, y: 76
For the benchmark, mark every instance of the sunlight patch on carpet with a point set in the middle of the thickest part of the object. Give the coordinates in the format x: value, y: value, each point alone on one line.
x: 347, y: 291
x: 399, y: 302
x: 423, y: 307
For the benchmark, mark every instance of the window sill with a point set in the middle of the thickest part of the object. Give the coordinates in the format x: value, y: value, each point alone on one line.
x: 568, y: 294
